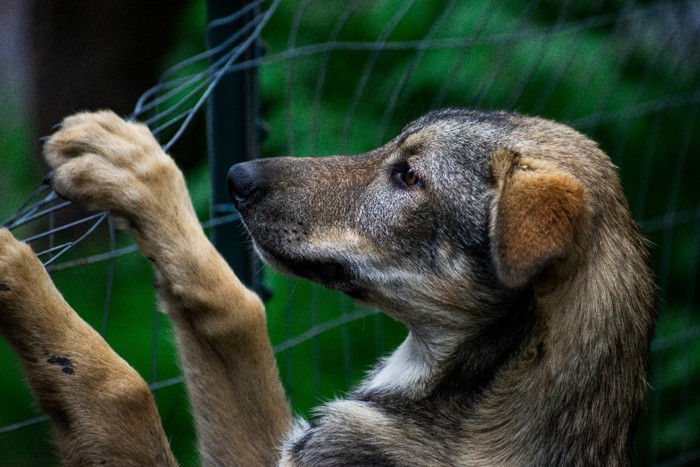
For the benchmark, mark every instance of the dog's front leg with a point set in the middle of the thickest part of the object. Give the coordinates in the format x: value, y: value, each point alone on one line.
x: 237, y: 399
x: 102, y: 410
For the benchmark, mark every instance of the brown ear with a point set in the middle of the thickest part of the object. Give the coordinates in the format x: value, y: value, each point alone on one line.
x: 537, y: 216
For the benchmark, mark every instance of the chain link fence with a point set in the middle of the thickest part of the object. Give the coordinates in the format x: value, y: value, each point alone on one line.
x: 345, y: 76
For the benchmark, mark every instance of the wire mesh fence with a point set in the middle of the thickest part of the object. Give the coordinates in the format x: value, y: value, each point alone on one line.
x: 345, y: 76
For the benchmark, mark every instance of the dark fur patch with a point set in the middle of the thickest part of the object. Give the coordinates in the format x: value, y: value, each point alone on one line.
x: 64, y: 362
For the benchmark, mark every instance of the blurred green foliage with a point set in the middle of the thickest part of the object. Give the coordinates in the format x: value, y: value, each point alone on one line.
x: 626, y: 76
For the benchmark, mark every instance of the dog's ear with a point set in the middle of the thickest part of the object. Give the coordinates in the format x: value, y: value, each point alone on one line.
x: 537, y: 216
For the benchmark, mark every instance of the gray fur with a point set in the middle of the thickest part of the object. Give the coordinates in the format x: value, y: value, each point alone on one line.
x: 549, y: 373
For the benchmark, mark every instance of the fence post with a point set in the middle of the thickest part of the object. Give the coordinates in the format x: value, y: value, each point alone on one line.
x: 232, y: 123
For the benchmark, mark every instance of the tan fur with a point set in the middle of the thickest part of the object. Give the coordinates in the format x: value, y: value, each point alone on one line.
x: 62, y: 357
x: 538, y: 215
x: 227, y: 360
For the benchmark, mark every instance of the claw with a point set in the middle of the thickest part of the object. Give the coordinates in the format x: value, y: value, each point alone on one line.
x: 48, y: 179
x: 57, y: 126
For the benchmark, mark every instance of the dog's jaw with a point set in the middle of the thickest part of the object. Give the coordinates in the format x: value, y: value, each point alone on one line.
x: 331, y: 274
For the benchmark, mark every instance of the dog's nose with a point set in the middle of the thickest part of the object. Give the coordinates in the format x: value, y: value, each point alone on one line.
x: 243, y: 181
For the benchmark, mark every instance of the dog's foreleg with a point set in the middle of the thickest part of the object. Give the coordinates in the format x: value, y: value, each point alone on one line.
x: 220, y: 326
x: 231, y: 374
x: 100, y: 407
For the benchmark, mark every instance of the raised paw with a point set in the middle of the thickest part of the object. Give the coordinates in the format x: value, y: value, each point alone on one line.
x: 107, y: 163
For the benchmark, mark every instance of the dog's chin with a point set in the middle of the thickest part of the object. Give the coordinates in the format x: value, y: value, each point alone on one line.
x: 330, y: 274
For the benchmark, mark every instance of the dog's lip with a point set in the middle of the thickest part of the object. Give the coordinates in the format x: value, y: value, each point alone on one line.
x: 272, y: 259
x: 331, y: 274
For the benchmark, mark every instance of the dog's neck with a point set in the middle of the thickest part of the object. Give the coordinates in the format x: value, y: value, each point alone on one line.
x: 562, y: 373
x: 574, y: 394
x: 459, y: 361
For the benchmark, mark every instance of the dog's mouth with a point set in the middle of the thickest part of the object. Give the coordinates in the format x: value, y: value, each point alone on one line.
x: 332, y: 274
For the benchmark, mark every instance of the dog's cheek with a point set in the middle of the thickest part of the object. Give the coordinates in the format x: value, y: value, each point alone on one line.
x: 413, y: 240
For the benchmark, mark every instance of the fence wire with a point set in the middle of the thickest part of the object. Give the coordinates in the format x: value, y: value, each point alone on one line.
x: 343, y: 77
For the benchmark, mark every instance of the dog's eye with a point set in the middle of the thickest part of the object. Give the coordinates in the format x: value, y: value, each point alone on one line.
x: 410, y: 177
x: 407, y: 177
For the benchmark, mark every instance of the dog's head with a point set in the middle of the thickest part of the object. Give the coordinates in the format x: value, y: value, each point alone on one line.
x: 461, y: 211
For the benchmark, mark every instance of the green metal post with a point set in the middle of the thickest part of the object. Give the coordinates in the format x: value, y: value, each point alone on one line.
x: 232, y: 116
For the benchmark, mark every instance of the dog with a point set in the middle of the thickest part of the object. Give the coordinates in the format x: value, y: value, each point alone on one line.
x: 503, y: 242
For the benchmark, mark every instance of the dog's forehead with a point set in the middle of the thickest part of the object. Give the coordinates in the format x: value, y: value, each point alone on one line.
x: 457, y: 145
x: 457, y: 128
